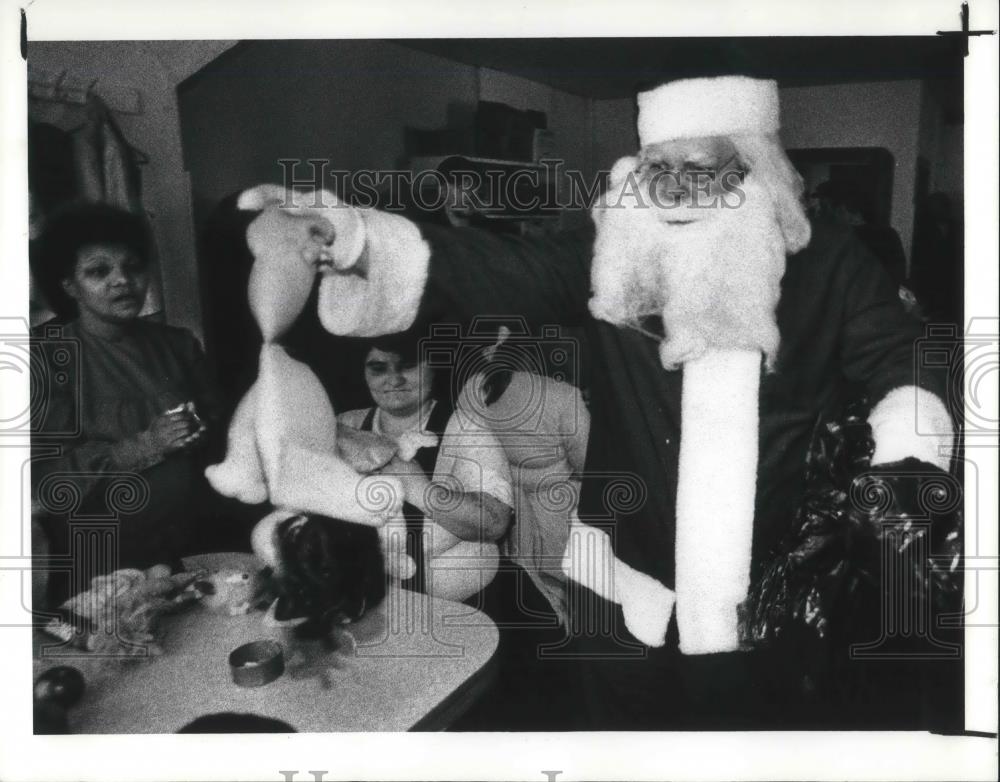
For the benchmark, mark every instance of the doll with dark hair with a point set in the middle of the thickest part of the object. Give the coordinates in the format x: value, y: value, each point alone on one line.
x: 329, y: 572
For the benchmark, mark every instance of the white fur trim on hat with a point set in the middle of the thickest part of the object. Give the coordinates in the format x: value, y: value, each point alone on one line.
x: 723, y: 106
x: 716, y: 488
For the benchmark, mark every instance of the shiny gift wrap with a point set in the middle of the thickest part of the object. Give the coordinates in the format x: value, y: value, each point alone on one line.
x: 864, y: 536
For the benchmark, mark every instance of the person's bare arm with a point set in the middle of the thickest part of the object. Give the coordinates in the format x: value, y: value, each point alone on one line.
x: 472, y: 492
x: 476, y: 515
x: 473, y: 515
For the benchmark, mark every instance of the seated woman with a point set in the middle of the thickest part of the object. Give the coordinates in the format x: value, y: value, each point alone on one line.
x: 410, y: 411
x: 135, y: 403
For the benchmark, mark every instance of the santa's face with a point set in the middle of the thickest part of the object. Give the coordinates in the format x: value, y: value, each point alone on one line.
x: 687, y: 179
x: 709, y: 262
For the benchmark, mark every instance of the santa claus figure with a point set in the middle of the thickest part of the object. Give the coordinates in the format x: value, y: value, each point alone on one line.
x: 721, y: 326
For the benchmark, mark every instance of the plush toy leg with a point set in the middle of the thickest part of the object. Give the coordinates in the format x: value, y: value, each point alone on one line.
x: 398, y: 563
x: 297, y: 438
x: 463, y: 570
x: 241, y: 475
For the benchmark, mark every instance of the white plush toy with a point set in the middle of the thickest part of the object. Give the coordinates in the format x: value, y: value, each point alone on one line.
x: 283, y: 439
x: 282, y: 443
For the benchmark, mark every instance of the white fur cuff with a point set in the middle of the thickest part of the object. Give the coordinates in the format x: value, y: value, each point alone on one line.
x: 910, y: 421
x: 647, y: 605
x: 386, y: 299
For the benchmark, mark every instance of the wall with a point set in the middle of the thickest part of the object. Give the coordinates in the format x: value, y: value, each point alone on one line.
x: 153, y: 68
x: 346, y: 104
x: 568, y: 118
x: 368, y: 92
x: 941, y: 141
x: 614, y: 133
x: 869, y: 114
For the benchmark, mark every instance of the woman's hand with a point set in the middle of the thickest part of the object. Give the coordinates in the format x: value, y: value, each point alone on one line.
x: 366, y: 452
x: 173, y: 431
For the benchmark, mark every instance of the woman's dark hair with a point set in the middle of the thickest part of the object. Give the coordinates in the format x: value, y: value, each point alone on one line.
x: 405, y: 345
x: 68, y: 231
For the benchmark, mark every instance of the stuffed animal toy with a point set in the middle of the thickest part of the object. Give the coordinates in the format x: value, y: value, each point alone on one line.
x: 233, y: 591
x: 283, y: 443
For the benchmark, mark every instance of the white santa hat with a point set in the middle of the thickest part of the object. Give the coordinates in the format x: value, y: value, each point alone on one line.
x: 721, y: 106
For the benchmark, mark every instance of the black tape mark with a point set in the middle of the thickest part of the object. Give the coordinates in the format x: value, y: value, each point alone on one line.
x: 965, y: 32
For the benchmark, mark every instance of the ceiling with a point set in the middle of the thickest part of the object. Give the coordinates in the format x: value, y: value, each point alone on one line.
x: 608, y: 68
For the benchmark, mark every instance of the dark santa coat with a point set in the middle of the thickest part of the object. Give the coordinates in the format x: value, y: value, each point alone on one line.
x: 841, y: 325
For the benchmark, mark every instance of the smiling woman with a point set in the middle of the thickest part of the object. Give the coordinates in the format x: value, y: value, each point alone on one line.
x: 136, y: 404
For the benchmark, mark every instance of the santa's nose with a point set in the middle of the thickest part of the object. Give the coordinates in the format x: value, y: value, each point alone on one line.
x: 684, y: 185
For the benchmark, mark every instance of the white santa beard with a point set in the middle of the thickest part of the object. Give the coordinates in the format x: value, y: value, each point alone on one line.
x: 715, y: 281
x: 625, y: 274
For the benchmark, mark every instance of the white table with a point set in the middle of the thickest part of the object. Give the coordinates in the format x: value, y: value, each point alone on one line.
x: 419, y: 663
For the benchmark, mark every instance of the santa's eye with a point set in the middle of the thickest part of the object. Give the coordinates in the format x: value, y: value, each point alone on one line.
x: 97, y: 271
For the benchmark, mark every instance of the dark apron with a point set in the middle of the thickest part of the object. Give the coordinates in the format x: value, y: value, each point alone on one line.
x: 426, y: 458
